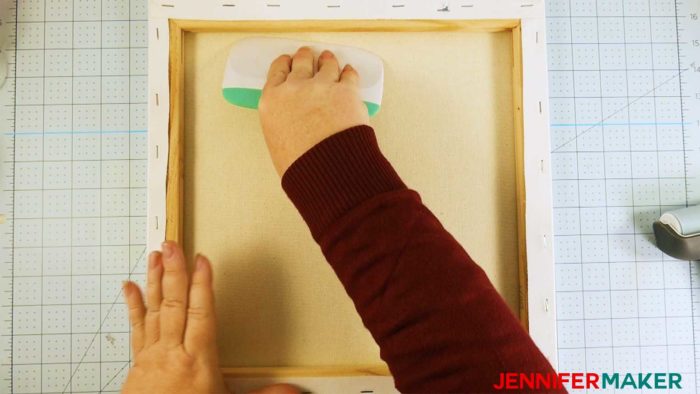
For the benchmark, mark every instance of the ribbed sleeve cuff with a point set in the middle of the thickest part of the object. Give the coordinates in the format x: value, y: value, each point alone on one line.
x: 338, y: 174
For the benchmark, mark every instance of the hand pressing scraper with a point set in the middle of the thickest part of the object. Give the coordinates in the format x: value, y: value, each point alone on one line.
x: 678, y: 233
x: 250, y: 58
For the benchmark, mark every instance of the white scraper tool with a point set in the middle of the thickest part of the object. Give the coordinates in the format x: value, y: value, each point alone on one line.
x: 250, y: 58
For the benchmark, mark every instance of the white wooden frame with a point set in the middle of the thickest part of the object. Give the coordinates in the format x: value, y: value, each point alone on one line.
x: 536, y: 144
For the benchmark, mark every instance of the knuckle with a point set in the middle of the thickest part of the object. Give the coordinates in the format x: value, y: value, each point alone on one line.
x: 277, y: 74
x: 139, y: 368
x: 174, y: 269
x: 152, y: 281
x: 137, y: 324
x: 183, y: 359
x: 200, y: 283
x: 300, y: 73
x: 199, y: 312
x: 135, y: 312
x: 173, y: 303
x: 283, y: 58
x: 151, y: 309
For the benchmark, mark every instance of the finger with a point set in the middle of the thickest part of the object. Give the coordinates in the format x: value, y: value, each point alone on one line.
x: 173, y: 308
x: 201, y: 321
x: 154, y: 296
x: 279, y: 69
x: 137, y: 312
x: 328, y: 69
x: 350, y: 76
x: 277, y: 389
x: 302, y: 64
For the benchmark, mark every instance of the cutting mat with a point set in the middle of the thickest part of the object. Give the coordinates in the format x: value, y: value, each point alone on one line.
x: 624, y: 105
x: 73, y: 175
x: 625, y: 93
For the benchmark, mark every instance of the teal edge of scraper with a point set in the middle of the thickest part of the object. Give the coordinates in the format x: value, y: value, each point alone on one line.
x: 249, y: 98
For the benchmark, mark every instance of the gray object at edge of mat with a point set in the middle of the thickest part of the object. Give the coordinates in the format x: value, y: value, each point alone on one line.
x: 678, y: 233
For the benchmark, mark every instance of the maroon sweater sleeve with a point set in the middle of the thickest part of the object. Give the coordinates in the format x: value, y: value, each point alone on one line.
x: 440, y: 324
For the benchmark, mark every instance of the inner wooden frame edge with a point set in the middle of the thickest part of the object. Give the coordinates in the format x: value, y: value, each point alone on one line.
x: 174, y: 200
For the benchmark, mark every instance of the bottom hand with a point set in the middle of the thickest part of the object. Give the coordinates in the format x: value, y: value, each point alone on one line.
x: 173, y: 334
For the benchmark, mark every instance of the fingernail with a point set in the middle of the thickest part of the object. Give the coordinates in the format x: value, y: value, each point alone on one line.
x: 125, y: 287
x: 153, y: 259
x: 199, y: 262
x: 167, y: 249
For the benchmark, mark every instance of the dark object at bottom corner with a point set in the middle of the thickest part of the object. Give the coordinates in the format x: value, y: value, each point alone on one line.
x: 675, y: 245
